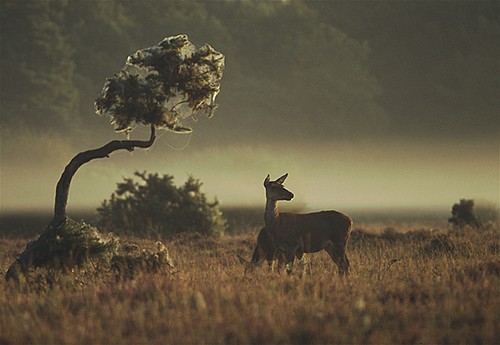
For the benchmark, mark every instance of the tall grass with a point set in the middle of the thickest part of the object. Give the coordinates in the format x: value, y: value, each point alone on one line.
x: 406, y: 287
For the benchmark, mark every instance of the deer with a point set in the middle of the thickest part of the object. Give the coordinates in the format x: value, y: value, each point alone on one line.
x: 294, y: 234
x: 264, y: 250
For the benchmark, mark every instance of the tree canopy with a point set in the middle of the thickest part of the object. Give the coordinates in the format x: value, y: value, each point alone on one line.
x: 162, y: 85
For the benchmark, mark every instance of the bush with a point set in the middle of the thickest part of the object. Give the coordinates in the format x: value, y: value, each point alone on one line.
x: 463, y: 214
x: 155, y: 207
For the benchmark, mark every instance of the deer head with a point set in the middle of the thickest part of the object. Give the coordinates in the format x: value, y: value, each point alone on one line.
x: 275, y: 190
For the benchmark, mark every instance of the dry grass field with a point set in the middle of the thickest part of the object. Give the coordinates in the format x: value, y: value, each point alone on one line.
x: 408, y: 285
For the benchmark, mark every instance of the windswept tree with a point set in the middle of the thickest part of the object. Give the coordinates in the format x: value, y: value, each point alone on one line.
x: 159, y: 87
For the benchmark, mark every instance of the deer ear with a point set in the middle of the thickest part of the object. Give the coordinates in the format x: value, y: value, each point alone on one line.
x: 266, y: 181
x: 282, y: 179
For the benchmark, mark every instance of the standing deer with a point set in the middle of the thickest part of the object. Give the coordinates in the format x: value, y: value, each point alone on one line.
x: 295, y: 234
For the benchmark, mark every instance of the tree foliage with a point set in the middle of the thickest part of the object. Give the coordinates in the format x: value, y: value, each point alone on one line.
x: 162, y: 85
x: 151, y: 205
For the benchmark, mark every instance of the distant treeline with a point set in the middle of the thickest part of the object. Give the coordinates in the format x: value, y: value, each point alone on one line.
x: 361, y: 67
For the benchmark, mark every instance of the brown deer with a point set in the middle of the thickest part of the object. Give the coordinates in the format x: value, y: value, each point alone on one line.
x: 292, y: 234
x: 265, y: 250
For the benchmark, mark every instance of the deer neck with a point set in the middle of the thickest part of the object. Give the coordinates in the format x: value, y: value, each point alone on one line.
x: 271, y: 215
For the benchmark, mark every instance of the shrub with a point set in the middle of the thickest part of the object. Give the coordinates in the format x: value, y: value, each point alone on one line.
x: 155, y: 207
x: 463, y: 214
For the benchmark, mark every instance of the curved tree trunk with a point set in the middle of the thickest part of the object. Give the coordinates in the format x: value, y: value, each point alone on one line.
x: 37, y: 253
x: 62, y: 189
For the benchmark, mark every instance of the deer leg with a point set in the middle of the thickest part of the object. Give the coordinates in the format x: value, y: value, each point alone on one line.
x: 281, y: 261
x: 304, y: 265
x: 334, y: 257
x: 345, y: 264
x: 340, y: 258
x: 289, y: 258
x: 344, y: 261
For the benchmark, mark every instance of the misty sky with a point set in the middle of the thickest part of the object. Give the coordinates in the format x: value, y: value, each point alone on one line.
x: 365, y: 105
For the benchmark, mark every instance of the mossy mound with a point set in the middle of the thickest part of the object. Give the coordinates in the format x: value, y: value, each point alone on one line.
x: 79, y: 245
x: 74, y: 243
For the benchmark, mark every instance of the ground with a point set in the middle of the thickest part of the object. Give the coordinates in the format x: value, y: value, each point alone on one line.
x: 407, y: 285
